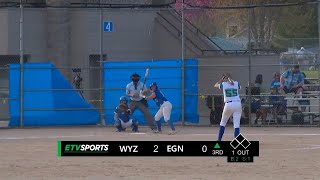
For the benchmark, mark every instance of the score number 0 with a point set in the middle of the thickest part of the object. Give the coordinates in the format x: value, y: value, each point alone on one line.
x: 204, y: 148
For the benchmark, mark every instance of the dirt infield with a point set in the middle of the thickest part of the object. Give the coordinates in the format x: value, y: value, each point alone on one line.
x: 285, y: 153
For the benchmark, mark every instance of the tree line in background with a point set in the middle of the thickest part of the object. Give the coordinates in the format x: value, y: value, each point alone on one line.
x: 272, y: 27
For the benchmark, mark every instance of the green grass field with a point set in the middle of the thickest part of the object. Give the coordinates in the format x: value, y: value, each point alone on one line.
x: 312, y: 74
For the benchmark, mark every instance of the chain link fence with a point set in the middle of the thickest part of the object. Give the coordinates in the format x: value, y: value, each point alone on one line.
x: 248, y: 41
x: 259, y: 42
x: 5, y: 60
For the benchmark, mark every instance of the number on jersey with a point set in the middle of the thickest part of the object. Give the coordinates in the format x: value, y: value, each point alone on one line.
x: 231, y: 92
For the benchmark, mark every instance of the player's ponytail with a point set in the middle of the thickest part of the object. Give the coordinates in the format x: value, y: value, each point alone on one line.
x: 231, y: 81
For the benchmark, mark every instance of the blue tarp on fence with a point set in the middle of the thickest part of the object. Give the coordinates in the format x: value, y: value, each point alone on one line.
x: 167, y: 74
x: 41, y: 98
x: 191, y: 91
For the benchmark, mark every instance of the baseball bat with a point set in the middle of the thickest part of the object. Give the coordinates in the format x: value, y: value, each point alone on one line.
x: 145, y: 77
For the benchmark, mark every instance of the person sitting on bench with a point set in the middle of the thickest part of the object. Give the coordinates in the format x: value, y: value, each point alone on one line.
x: 279, y: 104
x: 291, y: 81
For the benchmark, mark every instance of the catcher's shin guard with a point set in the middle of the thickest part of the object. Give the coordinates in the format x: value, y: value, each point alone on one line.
x: 134, y: 126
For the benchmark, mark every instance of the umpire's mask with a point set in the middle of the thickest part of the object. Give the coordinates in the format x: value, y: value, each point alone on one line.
x: 135, y: 77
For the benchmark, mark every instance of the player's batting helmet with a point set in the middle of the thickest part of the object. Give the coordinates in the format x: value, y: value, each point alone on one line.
x: 153, y: 84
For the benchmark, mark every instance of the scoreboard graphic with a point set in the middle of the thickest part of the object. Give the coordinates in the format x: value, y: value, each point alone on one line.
x: 238, y: 150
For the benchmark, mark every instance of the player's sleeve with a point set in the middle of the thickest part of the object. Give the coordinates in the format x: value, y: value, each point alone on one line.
x: 128, y: 89
x: 221, y: 86
x: 301, y: 78
x: 285, y: 74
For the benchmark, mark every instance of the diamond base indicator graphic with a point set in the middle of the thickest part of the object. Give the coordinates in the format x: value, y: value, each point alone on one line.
x: 234, y: 144
x: 242, y: 152
x: 240, y: 140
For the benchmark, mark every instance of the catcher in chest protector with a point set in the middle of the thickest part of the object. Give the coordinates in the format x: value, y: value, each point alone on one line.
x: 122, y: 117
x: 164, y: 105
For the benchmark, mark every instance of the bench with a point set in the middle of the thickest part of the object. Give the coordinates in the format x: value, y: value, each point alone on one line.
x: 312, y: 99
x: 295, y: 103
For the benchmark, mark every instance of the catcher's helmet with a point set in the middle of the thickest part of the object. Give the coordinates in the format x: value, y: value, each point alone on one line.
x: 153, y: 84
x: 123, y: 99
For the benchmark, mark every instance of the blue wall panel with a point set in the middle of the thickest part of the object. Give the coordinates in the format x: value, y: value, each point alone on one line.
x: 167, y: 74
x: 44, y: 76
x: 191, y: 91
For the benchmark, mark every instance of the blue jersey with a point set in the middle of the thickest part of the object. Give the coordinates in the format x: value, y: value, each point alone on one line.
x: 275, y: 84
x: 159, y: 99
x: 124, y: 116
x: 292, y: 78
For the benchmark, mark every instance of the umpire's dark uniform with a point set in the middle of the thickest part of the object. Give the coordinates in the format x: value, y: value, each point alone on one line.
x: 136, y: 102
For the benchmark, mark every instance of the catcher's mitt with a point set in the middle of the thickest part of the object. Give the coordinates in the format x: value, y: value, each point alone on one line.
x: 145, y: 92
x: 123, y: 108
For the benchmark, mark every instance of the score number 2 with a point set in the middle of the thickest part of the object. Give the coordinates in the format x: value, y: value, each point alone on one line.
x: 155, y: 148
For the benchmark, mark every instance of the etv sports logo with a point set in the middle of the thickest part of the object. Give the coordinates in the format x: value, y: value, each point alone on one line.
x: 86, y: 148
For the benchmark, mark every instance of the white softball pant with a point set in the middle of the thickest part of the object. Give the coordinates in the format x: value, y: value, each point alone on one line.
x: 126, y: 124
x: 164, y: 111
x: 231, y: 109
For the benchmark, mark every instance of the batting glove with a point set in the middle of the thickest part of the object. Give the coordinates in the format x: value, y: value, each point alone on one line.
x: 141, y: 95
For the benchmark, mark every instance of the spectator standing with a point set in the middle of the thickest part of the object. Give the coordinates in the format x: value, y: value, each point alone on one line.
x: 256, y: 102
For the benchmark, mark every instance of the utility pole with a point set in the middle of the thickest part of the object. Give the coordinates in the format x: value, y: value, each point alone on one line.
x: 318, y: 28
x: 250, y: 57
x: 182, y: 63
x: 21, y: 65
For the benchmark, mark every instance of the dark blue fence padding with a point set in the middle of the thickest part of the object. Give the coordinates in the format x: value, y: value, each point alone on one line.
x: 191, y: 91
x: 43, y: 96
x: 167, y: 74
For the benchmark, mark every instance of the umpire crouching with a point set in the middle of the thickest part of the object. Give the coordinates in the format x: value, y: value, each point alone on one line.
x: 133, y: 90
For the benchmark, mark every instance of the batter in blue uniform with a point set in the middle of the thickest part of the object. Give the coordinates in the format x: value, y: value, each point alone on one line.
x: 122, y: 119
x: 164, y: 105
